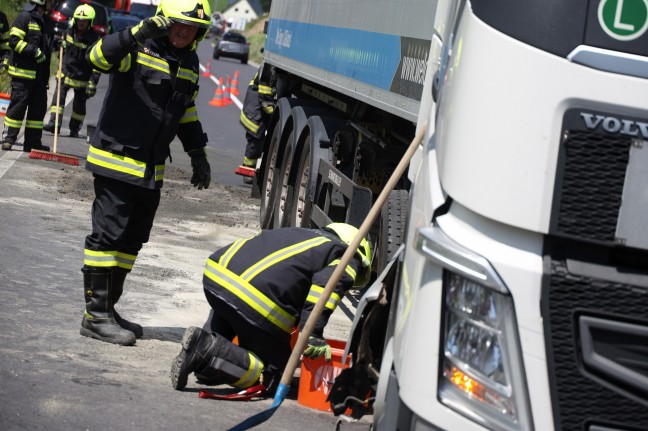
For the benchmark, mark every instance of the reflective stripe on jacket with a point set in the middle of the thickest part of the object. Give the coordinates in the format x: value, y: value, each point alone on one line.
x: 150, y: 101
x: 26, y: 36
x: 275, y: 279
x: 76, y: 70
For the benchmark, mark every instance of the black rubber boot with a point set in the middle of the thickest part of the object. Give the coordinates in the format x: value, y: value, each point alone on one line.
x: 119, y: 276
x: 198, y: 347
x: 49, y: 127
x: 36, y: 146
x: 98, y: 319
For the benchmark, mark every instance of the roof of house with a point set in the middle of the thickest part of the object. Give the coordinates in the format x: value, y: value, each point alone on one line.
x: 254, y: 4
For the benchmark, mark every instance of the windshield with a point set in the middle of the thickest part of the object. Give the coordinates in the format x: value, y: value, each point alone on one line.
x: 142, y: 10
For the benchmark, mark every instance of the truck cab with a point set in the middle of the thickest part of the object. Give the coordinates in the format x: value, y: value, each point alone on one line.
x: 519, y: 299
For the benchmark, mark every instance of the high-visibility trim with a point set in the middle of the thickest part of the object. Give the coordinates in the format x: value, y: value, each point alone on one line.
x: 33, y: 26
x: 19, y: 33
x: 22, y: 73
x: 5, y: 45
x: 17, y: 124
x: 125, y: 64
x: 250, y: 295
x: 34, y: 124
x: 315, y: 294
x: 282, y: 254
x: 252, y: 374
x: 153, y: 63
x: 231, y: 251
x: 20, y: 46
x: 77, y: 116
x: 97, y: 57
x: 264, y: 89
x: 249, y: 162
x: 187, y: 74
x: 54, y: 109
x: 191, y: 114
x: 349, y: 270
x: 249, y: 124
x: 75, y: 83
x: 268, y: 109
x: 111, y: 258
x: 117, y: 163
x: 159, y: 172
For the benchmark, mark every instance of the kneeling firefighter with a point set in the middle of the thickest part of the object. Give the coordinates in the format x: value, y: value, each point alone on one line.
x: 259, y: 289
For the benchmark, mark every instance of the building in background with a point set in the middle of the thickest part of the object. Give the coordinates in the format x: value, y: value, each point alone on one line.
x: 239, y: 12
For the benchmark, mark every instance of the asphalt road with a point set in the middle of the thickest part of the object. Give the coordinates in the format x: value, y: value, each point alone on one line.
x: 51, y: 378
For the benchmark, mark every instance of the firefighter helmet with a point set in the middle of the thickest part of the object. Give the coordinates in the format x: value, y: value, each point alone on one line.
x: 192, y: 12
x: 346, y: 233
x: 84, y: 11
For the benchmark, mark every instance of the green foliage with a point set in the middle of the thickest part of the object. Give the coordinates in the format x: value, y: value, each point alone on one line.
x: 221, y: 5
x: 255, y: 37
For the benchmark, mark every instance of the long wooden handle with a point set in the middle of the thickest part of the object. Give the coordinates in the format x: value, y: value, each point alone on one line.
x: 58, y: 97
x: 347, y: 256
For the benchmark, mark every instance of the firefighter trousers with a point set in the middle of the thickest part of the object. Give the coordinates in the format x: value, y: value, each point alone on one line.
x: 27, y: 96
x: 122, y: 218
x: 271, y: 349
x: 78, y: 106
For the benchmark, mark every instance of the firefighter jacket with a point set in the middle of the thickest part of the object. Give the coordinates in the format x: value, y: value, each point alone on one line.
x: 275, y: 279
x: 29, y: 33
x: 259, y: 100
x: 150, y: 100
x: 4, y: 37
x: 77, y: 72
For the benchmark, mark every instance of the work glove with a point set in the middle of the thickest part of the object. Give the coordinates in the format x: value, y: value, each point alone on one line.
x: 318, y: 347
x: 39, y: 57
x: 201, y: 170
x: 4, y: 65
x: 151, y: 28
x: 91, y: 89
x: 60, y: 42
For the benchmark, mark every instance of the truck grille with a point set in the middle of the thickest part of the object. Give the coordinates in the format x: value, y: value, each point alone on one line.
x: 584, y: 400
x: 590, y: 178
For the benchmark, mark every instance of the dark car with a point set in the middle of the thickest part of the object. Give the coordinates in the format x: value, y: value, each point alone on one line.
x: 121, y: 21
x: 233, y: 45
x: 63, y: 11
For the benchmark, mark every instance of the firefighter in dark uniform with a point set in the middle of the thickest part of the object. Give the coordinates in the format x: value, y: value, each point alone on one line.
x: 258, y: 107
x: 259, y: 289
x: 29, y: 39
x: 150, y: 100
x: 5, y: 49
x: 76, y: 71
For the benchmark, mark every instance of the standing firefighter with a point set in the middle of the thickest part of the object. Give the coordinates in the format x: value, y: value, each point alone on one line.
x: 29, y: 39
x: 150, y: 100
x: 257, y: 111
x: 5, y: 50
x: 76, y: 71
x: 259, y: 289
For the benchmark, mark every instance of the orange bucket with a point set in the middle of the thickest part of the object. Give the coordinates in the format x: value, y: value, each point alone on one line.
x: 317, y: 376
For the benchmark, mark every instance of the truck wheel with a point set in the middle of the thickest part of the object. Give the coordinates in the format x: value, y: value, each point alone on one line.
x: 267, y: 203
x: 283, y: 197
x: 301, y: 206
x: 393, y: 218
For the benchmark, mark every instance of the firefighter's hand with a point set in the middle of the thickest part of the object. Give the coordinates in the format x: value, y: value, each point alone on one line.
x: 201, y: 170
x: 4, y: 65
x: 91, y: 89
x: 151, y: 28
x: 61, y: 43
x: 39, y: 57
x: 318, y: 347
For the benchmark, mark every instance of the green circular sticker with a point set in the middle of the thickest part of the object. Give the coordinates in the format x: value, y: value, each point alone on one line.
x: 623, y: 19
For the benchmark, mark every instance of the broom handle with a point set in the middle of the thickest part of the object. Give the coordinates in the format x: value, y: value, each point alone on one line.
x: 347, y: 256
x: 58, y: 97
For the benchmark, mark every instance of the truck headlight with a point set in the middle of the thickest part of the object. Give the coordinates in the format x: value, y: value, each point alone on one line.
x: 482, y: 373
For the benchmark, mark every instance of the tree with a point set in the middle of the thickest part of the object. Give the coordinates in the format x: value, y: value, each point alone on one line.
x: 265, y: 4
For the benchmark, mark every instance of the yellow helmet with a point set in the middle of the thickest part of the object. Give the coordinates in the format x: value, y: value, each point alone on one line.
x: 192, y: 12
x: 346, y: 233
x: 84, y: 11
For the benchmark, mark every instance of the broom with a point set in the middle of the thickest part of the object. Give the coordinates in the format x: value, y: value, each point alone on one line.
x: 284, y: 385
x: 54, y: 156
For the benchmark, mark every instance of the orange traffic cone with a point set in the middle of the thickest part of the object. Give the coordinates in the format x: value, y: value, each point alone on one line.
x: 218, y: 96
x: 226, y: 94
x: 207, y: 71
x: 234, y: 89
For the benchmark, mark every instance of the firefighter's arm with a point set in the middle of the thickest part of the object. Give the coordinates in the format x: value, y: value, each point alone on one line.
x: 112, y: 53
x: 194, y: 142
x: 17, y: 36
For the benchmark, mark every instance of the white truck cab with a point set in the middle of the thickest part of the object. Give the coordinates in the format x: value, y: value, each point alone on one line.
x: 519, y: 300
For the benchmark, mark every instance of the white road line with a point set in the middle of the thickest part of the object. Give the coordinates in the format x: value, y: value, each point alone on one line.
x: 7, y: 160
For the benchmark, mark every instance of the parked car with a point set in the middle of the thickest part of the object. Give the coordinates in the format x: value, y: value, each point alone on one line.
x: 120, y: 21
x: 63, y: 11
x: 233, y: 45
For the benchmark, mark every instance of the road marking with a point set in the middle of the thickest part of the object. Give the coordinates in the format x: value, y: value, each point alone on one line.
x: 7, y: 160
x: 235, y: 99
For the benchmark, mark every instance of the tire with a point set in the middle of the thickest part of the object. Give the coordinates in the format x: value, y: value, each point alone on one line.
x: 283, y: 196
x: 301, y: 207
x: 267, y: 186
x: 244, y: 60
x: 393, y: 219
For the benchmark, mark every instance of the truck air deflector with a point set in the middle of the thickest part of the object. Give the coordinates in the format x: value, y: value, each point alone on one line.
x: 610, y: 61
